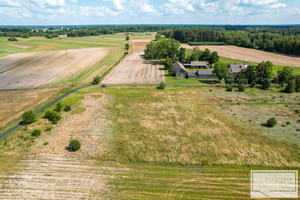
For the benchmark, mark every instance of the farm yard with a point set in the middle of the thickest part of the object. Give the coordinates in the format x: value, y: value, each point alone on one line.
x: 250, y: 55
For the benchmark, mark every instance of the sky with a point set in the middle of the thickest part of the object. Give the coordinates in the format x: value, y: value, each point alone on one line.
x: 88, y: 12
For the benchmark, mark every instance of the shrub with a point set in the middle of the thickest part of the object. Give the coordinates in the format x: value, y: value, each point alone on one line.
x: 74, y: 145
x: 253, y: 85
x: 12, y: 39
x: 49, y: 128
x: 103, y: 86
x: 46, y: 143
x: 36, y: 133
x: 161, y: 86
x: 291, y: 86
x: 266, y: 84
x: 242, y: 87
x: 96, y: 80
x: 229, y: 88
x: 52, y: 116
x: 58, y: 107
x: 29, y: 117
x: 67, y: 108
x: 271, y: 122
x: 297, y: 111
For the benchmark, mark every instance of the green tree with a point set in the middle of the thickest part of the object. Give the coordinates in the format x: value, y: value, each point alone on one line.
x: 58, y: 107
x: 52, y: 116
x: 221, y: 70
x: 297, y: 80
x: 126, y: 47
x: 285, y: 75
x: 213, y: 58
x: 264, y: 71
x: 74, y: 145
x: 29, y: 117
x: 205, y: 55
x: 194, y: 57
x: 164, y: 48
x: 127, y: 38
x: 96, y: 80
x: 266, y: 83
x: 168, y: 63
x: 291, y: 86
x: 271, y: 122
x: 182, y: 55
x: 250, y: 74
x: 158, y: 37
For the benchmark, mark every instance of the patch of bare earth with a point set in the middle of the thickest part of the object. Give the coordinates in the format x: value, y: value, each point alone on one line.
x: 251, y: 55
x: 134, y: 69
x: 89, y: 127
x: 31, y: 70
x: 21, y: 101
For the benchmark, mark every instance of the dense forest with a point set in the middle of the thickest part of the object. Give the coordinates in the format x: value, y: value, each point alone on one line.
x: 281, y: 39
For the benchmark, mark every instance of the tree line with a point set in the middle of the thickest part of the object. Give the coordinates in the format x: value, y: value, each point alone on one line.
x: 281, y: 40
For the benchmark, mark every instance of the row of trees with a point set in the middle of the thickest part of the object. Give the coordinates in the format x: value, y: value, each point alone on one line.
x: 280, y: 41
x: 259, y: 74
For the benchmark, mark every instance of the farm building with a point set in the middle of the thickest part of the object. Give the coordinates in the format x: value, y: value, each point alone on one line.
x: 235, y: 69
x: 180, y: 71
x: 197, y: 65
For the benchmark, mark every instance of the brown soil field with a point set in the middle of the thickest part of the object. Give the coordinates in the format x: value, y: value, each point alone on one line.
x: 251, y: 55
x: 135, y: 70
x: 138, y: 45
x: 20, y: 101
x: 31, y: 70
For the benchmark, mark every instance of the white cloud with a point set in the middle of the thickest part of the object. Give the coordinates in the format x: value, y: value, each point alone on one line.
x: 117, y: 3
x: 96, y: 11
x: 74, y: 1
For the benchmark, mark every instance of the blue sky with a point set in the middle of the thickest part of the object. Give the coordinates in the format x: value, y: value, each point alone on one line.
x: 80, y: 12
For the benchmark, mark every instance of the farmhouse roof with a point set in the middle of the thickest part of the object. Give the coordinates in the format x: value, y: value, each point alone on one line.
x: 198, y: 63
x: 237, y: 68
x: 206, y: 72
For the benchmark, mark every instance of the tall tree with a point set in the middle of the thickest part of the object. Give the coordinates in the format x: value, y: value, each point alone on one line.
x: 213, y: 58
x: 264, y: 71
x: 221, y: 70
x: 250, y: 74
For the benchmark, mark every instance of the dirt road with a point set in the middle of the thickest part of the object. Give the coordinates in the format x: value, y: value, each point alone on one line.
x: 251, y: 55
x: 134, y: 69
x: 31, y: 70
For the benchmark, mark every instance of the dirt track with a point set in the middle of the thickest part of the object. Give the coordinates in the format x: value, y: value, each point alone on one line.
x: 135, y: 70
x: 251, y: 55
x: 31, y: 70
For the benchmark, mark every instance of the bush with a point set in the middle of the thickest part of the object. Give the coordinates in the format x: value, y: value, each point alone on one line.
x: 271, y: 122
x: 36, y: 133
x: 29, y: 117
x: 12, y: 39
x: 74, y: 145
x: 161, y: 86
x: 96, y: 80
x: 266, y: 84
x: 46, y: 143
x: 291, y: 86
x: 49, y: 128
x: 242, y: 87
x: 229, y: 88
x: 253, y: 85
x: 58, y: 107
x: 67, y: 108
x: 52, y: 116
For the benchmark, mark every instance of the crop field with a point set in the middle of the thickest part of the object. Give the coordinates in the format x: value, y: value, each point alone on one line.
x: 36, y: 69
x: 135, y: 70
x: 251, y: 55
x: 20, y: 101
x: 63, y: 42
x: 134, y: 138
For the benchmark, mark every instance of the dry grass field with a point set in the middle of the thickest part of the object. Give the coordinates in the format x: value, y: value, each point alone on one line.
x: 31, y: 70
x: 21, y: 101
x: 250, y: 55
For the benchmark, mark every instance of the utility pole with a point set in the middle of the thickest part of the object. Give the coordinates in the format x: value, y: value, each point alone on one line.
x: 13, y: 112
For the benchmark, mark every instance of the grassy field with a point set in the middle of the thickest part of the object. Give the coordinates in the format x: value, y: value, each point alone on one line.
x: 63, y: 42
